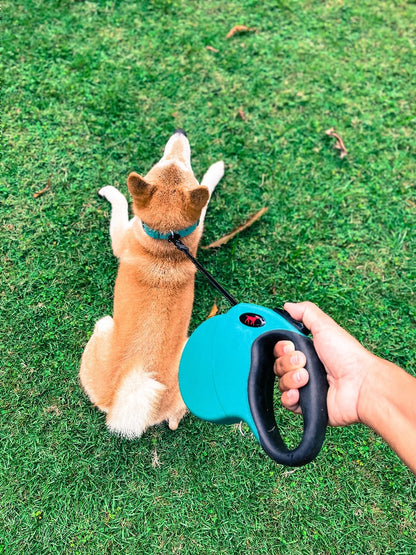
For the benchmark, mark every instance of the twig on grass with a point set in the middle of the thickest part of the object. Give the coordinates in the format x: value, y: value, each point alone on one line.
x: 339, y: 144
x: 43, y: 191
x: 249, y: 222
x: 240, y: 29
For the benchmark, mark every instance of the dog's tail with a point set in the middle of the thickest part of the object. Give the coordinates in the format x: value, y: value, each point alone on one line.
x: 135, y: 404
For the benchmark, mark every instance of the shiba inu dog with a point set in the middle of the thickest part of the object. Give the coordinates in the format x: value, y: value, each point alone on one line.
x: 129, y: 368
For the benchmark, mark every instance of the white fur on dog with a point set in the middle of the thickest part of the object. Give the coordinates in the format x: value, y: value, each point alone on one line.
x: 119, y: 216
x: 213, y: 175
x: 134, y: 405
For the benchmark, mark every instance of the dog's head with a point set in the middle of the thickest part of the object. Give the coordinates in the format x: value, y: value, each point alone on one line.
x: 169, y: 197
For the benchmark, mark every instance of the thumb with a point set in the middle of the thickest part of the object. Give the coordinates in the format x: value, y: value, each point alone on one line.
x: 313, y: 317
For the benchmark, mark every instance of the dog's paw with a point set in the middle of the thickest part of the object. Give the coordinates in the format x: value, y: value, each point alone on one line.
x: 176, y: 417
x: 213, y: 175
x: 218, y: 169
x: 107, y: 191
x: 113, y: 195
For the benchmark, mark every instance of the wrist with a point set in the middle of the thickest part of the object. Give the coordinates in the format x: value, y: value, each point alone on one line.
x: 378, y: 380
x: 387, y: 405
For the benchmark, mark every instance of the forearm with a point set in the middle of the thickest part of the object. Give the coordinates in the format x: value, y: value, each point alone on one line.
x: 388, y: 405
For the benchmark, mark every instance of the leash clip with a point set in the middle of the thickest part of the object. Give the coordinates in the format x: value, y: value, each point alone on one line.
x: 175, y: 238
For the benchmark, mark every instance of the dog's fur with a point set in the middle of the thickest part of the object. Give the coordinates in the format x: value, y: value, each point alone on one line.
x: 129, y: 368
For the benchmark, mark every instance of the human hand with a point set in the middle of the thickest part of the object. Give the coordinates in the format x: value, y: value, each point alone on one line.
x: 345, y: 360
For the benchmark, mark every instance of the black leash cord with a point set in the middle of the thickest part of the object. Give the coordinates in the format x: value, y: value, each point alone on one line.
x: 176, y: 240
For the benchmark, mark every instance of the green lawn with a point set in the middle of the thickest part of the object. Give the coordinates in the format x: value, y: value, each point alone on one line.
x: 91, y: 91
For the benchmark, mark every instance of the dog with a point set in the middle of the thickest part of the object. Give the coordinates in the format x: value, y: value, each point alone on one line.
x: 129, y: 368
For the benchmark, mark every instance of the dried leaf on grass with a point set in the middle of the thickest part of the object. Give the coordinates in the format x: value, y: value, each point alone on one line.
x: 249, y: 222
x: 241, y: 114
x: 155, y: 459
x: 43, y: 191
x: 54, y: 410
x: 214, y: 310
x: 339, y: 144
x: 212, y: 49
x: 239, y: 427
x: 240, y: 29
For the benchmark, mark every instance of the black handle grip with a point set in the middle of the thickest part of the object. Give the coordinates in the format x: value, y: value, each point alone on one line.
x: 312, y: 399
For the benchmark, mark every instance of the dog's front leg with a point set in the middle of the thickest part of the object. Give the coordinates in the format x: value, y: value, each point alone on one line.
x: 119, y: 216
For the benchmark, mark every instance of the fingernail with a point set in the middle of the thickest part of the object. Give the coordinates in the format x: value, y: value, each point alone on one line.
x: 289, y: 348
x: 300, y: 375
x: 294, y: 359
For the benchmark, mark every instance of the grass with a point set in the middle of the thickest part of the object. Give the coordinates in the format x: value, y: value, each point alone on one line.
x: 89, y: 92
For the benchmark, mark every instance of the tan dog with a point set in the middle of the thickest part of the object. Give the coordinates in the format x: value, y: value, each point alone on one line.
x: 129, y: 368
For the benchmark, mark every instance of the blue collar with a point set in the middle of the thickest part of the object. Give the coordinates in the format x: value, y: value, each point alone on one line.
x: 157, y: 235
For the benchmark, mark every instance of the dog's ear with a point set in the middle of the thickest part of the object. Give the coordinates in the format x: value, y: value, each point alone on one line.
x: 139, y: 189
x: 198, y: 198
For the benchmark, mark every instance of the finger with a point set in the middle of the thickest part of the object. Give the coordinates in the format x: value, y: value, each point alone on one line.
x: 290, y: 400
x: 294, y: 380
x: 283, y: 347
x: 289, y: 362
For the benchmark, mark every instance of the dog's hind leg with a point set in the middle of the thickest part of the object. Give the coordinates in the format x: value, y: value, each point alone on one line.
x: 119, y: 216
x: 211, y: 179
x: 96, y: 362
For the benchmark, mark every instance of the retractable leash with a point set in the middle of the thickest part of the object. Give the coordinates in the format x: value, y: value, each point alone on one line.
x: 226, y: 373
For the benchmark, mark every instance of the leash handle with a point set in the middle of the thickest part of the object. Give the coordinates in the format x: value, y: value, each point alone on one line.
x: 313, y: 399
x: 261, y: 378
